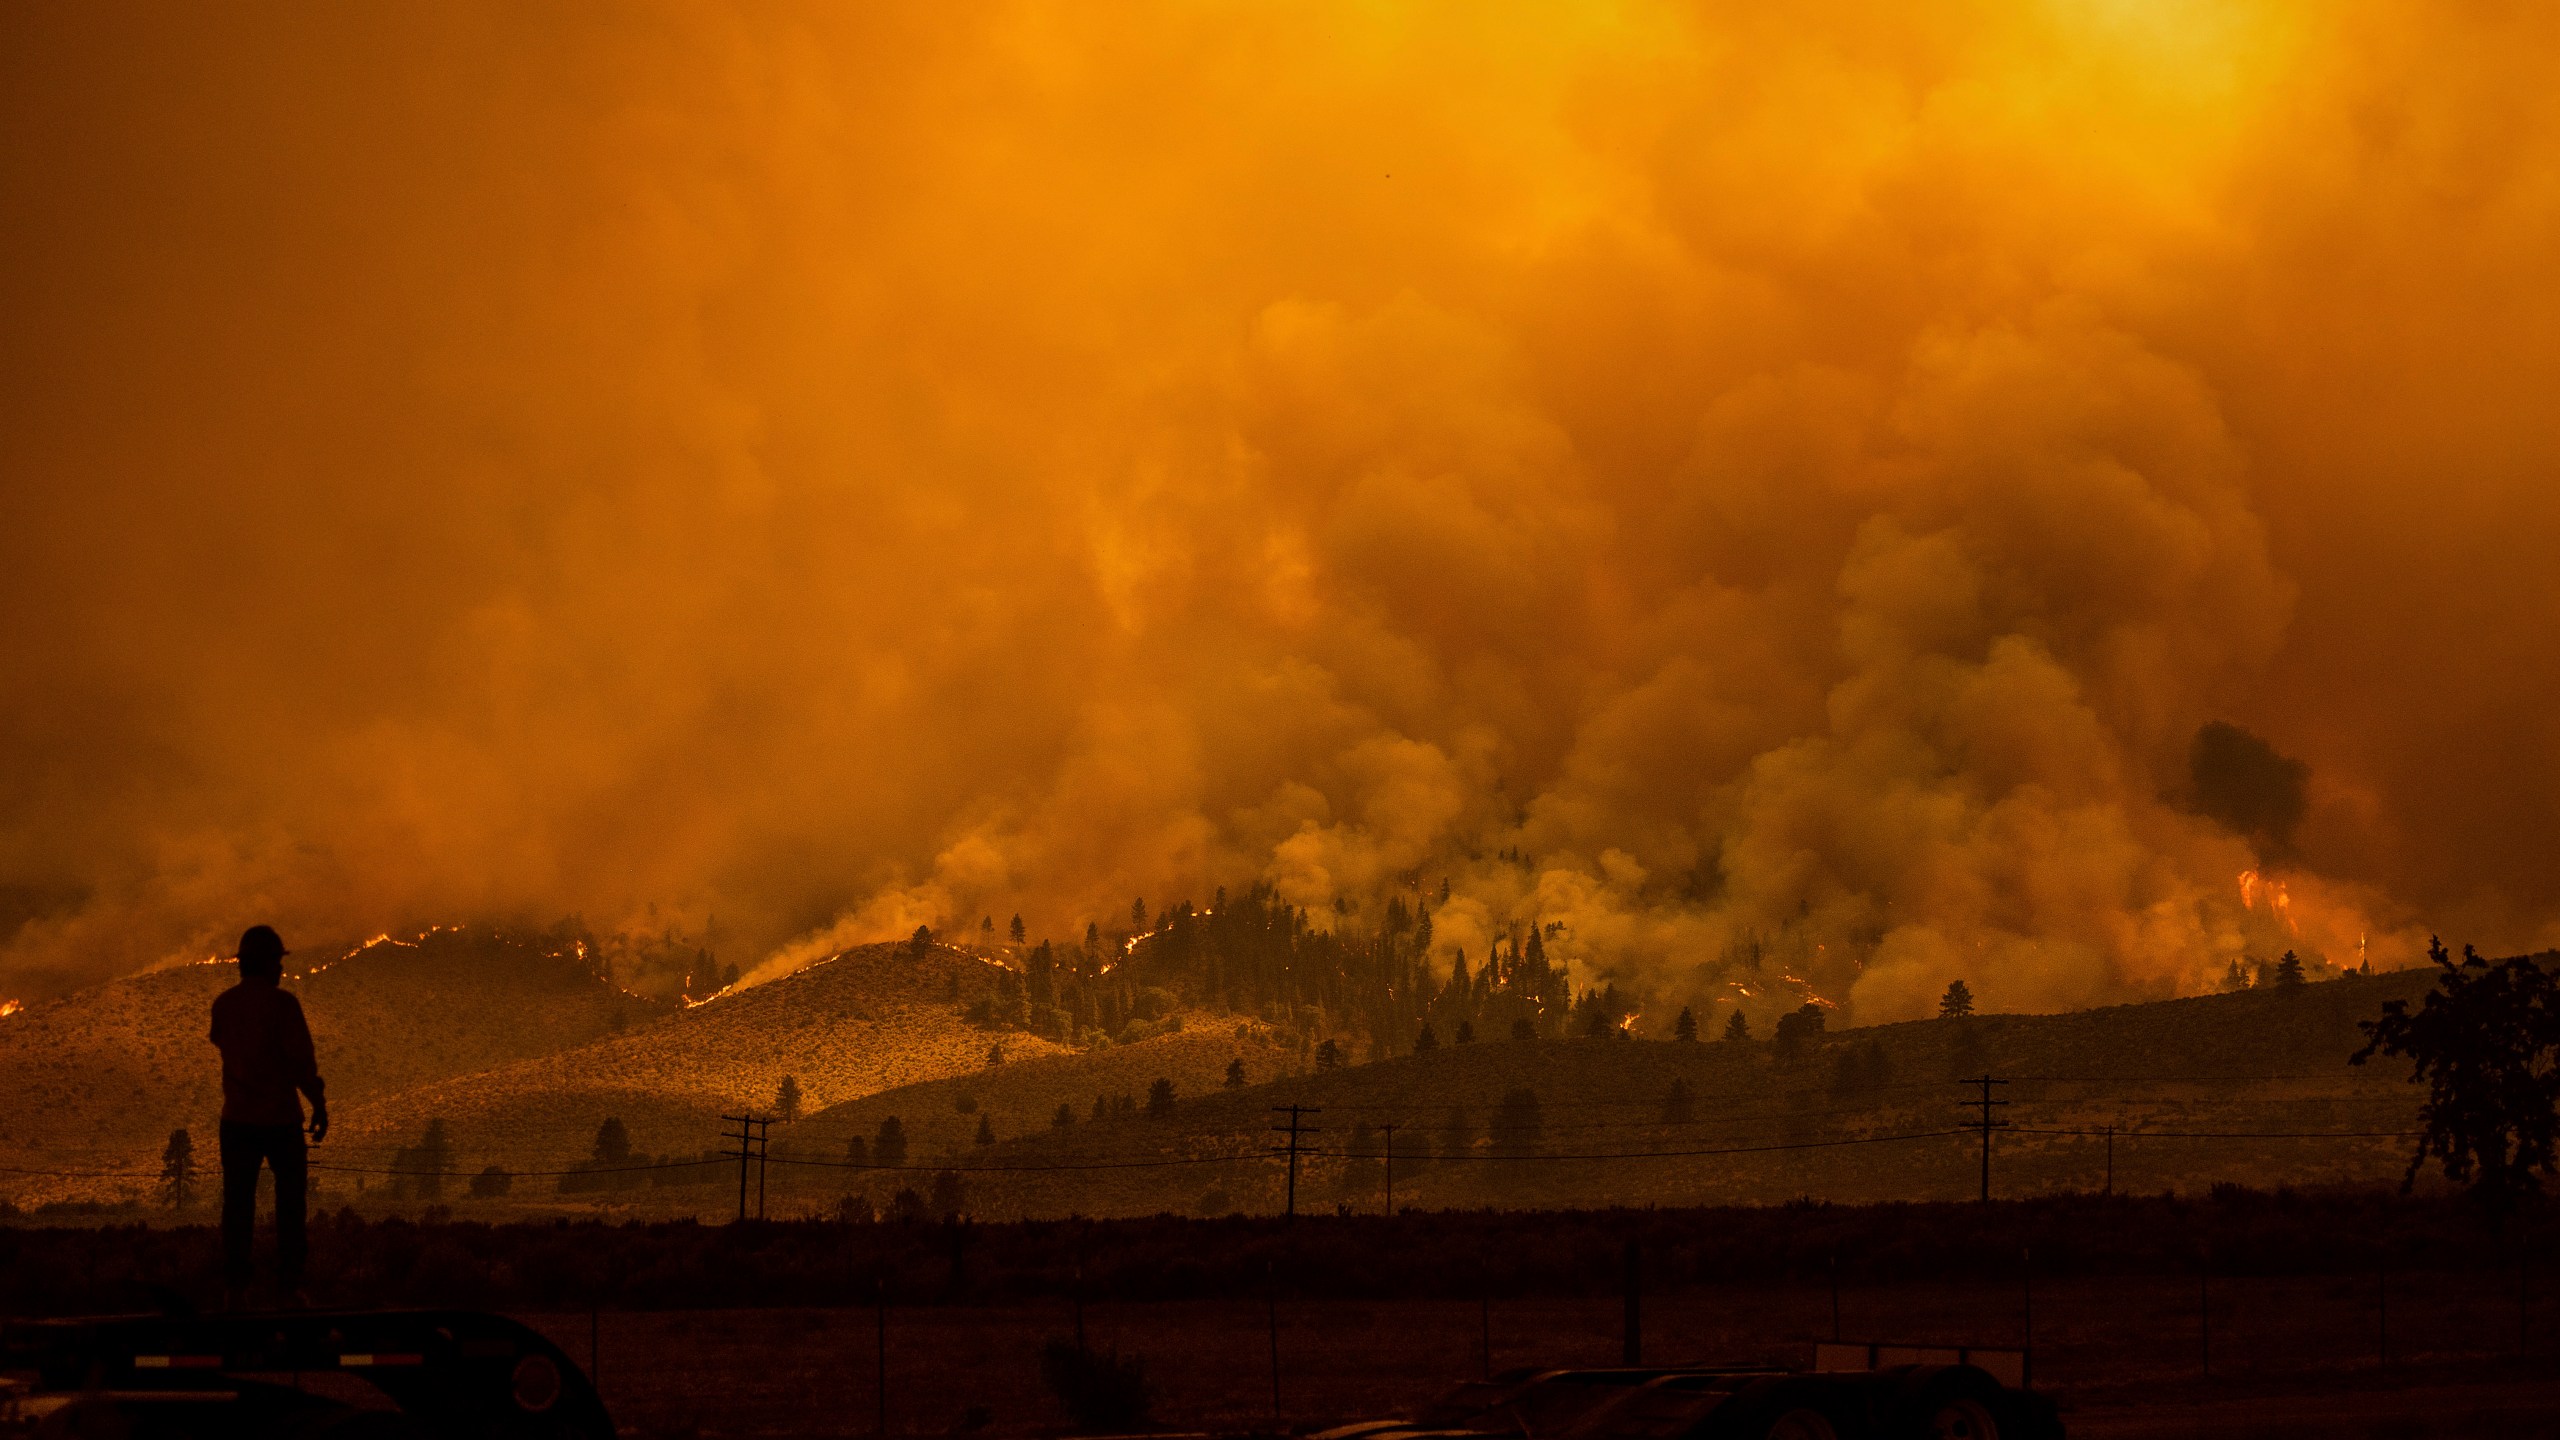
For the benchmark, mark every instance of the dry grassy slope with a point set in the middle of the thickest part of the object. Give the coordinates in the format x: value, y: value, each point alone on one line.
x: 2211, y: 1063
x: 1021, y: 1097
x: 99, y: 1079
x: 870, y: 1019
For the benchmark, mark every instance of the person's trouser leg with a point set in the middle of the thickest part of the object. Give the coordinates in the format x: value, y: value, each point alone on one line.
x: 291, y: 1162
x: 241, y: 1152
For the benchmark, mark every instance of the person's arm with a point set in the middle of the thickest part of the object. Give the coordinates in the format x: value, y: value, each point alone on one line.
x: 306, y: 1073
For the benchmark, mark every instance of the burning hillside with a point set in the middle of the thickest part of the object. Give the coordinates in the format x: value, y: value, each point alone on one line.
x: 1903, y: 497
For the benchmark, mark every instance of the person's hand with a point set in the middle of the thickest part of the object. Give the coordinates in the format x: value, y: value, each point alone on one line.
x: 319, y: 1123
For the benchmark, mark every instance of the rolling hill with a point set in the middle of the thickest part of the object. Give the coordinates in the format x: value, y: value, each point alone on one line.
x: 2251, y: 1087
x: 523, y: 1062
x: 98, y: 1079
x: 869, y: 1019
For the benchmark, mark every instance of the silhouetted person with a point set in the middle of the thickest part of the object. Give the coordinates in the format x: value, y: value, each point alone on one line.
x: 266, y: 1059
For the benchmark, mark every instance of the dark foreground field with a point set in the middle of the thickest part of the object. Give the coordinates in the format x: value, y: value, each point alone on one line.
x: 2293, y: 1356
x: 2350, y: 1313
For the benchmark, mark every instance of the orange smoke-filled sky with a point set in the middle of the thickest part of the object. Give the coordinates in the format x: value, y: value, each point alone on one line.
x: 844, y: 467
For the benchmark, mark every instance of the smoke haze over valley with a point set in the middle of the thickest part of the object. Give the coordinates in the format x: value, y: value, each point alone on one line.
x: 1946, y: 494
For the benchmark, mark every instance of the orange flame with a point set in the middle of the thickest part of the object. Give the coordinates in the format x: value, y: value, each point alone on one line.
x: 2279, y: 902
x: 10, y: 1007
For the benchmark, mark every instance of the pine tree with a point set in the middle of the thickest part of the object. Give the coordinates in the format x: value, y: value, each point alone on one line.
x: 1235, y: 1074
x: 1686, y: 1027
x: 1065, y: 1119
x: 1019, y: 934
x: 986, y: 1130
x: 178, y: 1166
x: 1737, y: 1028
x: 1518, y: 1128
x: 890, y: 1146
x: 1138, y: 916
x: 435, y: 1160
x: 1160, y: 1098
x: 613, y: 1142
x: 1678, y: 1106
x: 1328, y: 1056
x: 1798, y: 1028
x: 988, y: 925
x: 1466, y: 1032
x: 857, y: 1152
x: 921, y: 942
x: 786, y: 1099
x: 1457, y: 1136
x: 1427, y: 1041
x: 1957, y: 1002
x: 2289, y: 969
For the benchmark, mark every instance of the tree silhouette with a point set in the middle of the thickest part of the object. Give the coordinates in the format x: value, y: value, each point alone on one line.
x: 1466, y: 1032
x: 920, y: 942
x: 492, y: 1184
x: 2289, y: 969
x: 1235, y: 1073
x: 1138, y: 915
x: 1457, y: 1134
x: 432, y: 1161
x: 178, y: 1166
x: 1160, y: 1097
x: 786, y: 1099
x: 1429, y: 1039
x: 1328, y: 1056
x: 986, y: 1130
x: 2487, y: 1042
x: 613, y: 1142
x: 1686, y: 1027
x: 1678, y: 1106
x: 1957, y: 1002
x: 1518, y: 1126
x: 1017, y: 931
x: 1065, y: 1119
x: 1798, y: 1028
x: 889, y: 1147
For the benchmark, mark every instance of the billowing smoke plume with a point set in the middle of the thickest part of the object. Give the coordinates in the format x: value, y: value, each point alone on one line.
x: 1711, y: 482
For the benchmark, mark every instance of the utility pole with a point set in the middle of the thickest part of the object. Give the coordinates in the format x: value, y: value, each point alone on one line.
x: 1632, y: 1332
x: 1390, y: 1129
x: 1986, y: 1124
x: 1835, y: 1297
x: 749, y: 1137
x: 1295, y: 1129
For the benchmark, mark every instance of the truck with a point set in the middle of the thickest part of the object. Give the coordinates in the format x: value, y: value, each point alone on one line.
x: 308, y: 1374
x: 1849, y: 1392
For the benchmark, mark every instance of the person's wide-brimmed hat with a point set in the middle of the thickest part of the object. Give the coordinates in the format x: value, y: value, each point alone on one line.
x: 261, y: 942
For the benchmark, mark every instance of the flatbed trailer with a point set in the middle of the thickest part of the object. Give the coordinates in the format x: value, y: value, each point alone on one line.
x: 445, y: 1374
x: 1851, y: 1393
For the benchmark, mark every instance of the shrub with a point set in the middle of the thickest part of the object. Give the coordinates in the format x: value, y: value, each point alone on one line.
x: 1102, y: 1391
